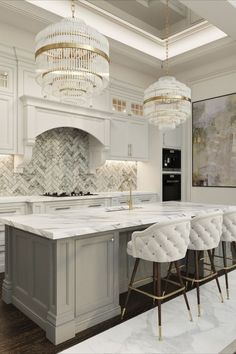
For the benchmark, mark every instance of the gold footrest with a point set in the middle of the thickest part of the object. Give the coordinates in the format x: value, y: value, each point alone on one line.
x: 229, y: 259
x: 141, y: 280
x: 193, y: 280
x: 222, y: 267
x: 157, y: 297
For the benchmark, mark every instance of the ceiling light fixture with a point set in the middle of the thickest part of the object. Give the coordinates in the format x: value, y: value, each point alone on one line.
x: 72, y: 60
x: 167, y: 102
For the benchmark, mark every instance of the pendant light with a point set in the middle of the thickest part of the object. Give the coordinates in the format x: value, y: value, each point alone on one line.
x: 167, y: 102
x: 72, y: 60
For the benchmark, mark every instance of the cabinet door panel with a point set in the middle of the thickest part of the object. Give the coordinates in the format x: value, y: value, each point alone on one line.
x: 138, y: 138
x: 119, y: 142
x: 94, y: 284
x: 6, y: 124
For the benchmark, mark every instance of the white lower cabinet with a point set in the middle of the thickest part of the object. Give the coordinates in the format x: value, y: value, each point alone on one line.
x: 8, y: 210
x: 60, y: 206
x: 146, y: 198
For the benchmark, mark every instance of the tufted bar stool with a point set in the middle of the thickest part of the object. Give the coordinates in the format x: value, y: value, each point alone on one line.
x: 205, y: 235
x: 228, y: 236
x: 160, y: 243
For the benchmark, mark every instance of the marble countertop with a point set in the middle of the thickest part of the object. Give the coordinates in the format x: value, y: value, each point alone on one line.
x: 36, y: 199
x: 94, y: 220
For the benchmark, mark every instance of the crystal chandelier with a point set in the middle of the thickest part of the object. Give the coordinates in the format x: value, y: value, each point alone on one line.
x: 167, y: 102
x: 72, y: 60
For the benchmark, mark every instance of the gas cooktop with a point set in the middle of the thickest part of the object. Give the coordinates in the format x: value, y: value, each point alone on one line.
x: 72, y: 194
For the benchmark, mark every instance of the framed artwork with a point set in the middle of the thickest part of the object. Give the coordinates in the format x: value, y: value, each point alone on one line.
x: 214, y: 142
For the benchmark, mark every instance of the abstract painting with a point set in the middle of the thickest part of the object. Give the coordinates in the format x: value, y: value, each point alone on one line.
x: 214, y: 142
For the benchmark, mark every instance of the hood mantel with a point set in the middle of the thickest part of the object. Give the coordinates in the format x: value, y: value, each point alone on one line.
x: 40, y: 115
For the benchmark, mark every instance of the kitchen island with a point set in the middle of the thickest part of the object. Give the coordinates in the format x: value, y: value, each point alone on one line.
x: 65, y: 271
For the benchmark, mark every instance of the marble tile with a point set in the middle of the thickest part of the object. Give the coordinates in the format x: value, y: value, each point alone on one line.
x: 60, y: 163
x: 209, y: 334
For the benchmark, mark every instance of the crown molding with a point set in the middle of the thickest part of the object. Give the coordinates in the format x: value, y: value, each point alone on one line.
x: 27, y: 9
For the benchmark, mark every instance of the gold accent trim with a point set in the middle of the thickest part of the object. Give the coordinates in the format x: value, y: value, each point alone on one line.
x: 227, y: 292
x: 230, y: 259
x: 123, y: 313
x: 159, y: 333
x: 170, y: 281
x: 157, y: 297
x: 222, y: 267
x: 161, y: 98
x: 221, y: 297
x: 143, y: 279
x: 64, y: 45
x: 193, y: 280
x: 199, y: 310
x: 72, y: 89
x: 190, y: 316
x: 66, y: 70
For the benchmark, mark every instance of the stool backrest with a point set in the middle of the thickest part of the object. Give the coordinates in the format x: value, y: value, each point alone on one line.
x: 163, y: 242
x: 206, y: 231
x: 229, y: 226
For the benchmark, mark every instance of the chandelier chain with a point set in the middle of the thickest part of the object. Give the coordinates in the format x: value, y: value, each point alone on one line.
x: 73, y: 8
x: 167, y: 38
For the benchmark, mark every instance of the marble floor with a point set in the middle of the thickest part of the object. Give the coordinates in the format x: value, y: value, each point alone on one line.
x: 210, y: 333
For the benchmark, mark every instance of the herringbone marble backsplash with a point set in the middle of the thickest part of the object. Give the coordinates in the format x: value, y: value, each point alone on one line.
x: 60, y: 164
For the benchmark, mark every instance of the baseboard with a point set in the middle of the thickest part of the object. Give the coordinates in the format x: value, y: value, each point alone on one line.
x: 96, y: 319
x: 29, y: 313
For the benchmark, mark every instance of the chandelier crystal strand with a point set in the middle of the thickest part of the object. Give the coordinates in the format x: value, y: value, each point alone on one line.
x: 167, y: 102
x: 72, y: 60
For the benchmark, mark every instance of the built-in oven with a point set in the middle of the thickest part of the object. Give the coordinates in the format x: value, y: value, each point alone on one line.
x: 171, y: 160
x: 171, y: 187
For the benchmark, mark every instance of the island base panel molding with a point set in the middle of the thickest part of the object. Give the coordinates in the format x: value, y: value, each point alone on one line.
x: 47, y: 280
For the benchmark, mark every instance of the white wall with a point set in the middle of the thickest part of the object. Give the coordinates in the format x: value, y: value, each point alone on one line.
x: 15, y: 37
x: 126, y: 74
x: 208, y: 88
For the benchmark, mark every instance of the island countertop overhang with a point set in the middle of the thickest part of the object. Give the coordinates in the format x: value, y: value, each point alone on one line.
x: 91, y: 221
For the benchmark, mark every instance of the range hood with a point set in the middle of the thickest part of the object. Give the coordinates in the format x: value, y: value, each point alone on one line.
x: 40, y: 115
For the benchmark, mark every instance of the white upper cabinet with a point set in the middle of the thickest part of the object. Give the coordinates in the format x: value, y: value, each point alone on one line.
x: 7, y: 109
x: 119, y: 139
x: 129, y: 139
x: 173, y: 138
x: 138, y: 140
x: 6, y: 124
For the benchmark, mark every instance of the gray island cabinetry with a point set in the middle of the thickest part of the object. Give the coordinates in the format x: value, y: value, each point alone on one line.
x: 63, y: 285
x: 44, y: 204
x: 66, y: 270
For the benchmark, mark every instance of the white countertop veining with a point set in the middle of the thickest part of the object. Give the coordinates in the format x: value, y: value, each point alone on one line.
x: 93, y: 220
x: 36, y: 199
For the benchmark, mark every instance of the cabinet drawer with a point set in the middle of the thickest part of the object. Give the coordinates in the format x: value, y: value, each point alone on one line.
x: 11, y: 210
x: 61, y: 207
x: 145, y: 199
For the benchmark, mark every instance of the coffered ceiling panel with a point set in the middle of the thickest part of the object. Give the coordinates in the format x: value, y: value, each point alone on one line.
x: 150, y: 15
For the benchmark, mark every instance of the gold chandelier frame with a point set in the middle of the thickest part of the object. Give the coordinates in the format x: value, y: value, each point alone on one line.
x: 87, y: 48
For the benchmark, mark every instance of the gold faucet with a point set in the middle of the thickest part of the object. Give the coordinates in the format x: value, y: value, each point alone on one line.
x: 128, y: 180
